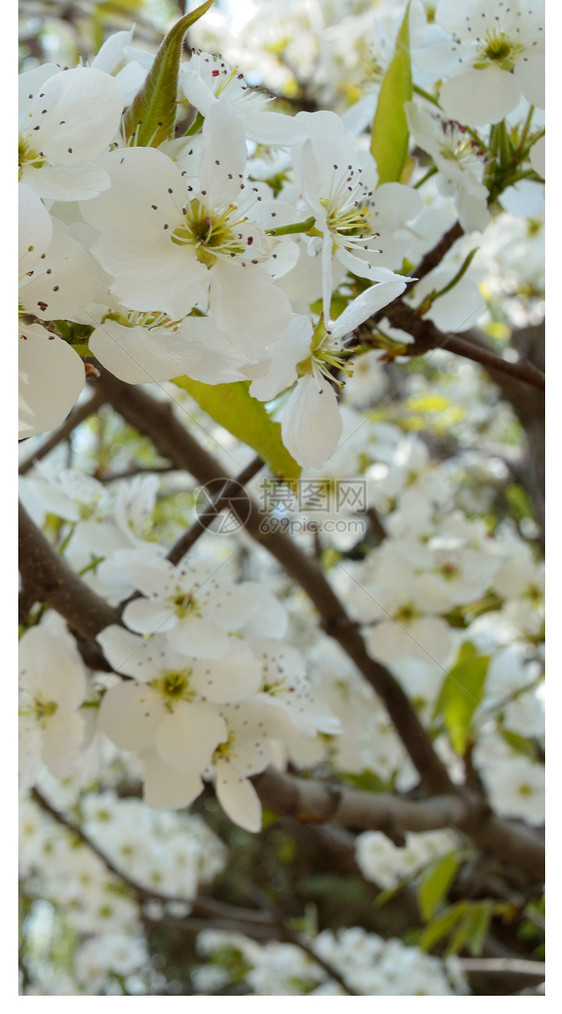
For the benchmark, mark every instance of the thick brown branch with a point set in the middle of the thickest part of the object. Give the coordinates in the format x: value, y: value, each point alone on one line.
x: 314, y: 801
x: 157, y: 420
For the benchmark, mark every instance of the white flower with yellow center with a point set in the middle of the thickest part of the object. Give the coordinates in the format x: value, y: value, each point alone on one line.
x: 174, y: 241
x: 66, y: 119
x: 496, y: 55
x: 197, y: 611
x: 338, y: 184
x: 52, y: 688
x: 171, y: 701
x: 311, y: 425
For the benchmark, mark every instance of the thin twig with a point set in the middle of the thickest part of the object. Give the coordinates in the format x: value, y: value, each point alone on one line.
x: 204, y: 520
x: 63, y: 432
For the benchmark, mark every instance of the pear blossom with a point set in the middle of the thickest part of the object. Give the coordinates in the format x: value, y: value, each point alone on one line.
x: 495, y: 55
x: 172, y: 245
x: 338, y: 184
x: 311, y: 425
x: 166, y: 703
x: 245, y: 752
x: 459, y: 160
x: 205, y: 78
x: 67, y: 118
x: 195, y: 608
x: 52, y: 688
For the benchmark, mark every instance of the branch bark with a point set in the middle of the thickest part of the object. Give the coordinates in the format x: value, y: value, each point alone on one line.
x: 157, y: 421
x: 311, y: 800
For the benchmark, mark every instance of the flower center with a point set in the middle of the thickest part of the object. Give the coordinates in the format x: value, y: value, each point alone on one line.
x: 212, y: 234
x: 498, y: 49
x: 174, y: 686
x: 184, y: 604
x: 28, y: 156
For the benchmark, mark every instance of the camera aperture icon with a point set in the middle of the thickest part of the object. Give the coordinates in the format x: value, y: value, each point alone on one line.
x: 220, y: 513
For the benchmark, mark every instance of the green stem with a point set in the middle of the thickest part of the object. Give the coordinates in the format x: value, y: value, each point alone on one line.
x: 431, y: 172
x: 286, y: 230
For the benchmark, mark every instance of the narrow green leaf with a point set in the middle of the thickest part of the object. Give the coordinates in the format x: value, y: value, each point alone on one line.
x: 232, y: 406
x: 478, y: 924
x: 389, y: 141
x: 442, y: 925
x: 461, y: 694
x: 519, y: 743
x: 435, y: 882
x: 151, y: 117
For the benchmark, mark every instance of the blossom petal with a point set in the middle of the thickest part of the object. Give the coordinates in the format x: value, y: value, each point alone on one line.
x: 480, y: 96
x: 130, y: 715
x: 311, y: 425
x: 165, y: 785
x: 238, y: 798
x: 51, y: 378
x: 187, y: 737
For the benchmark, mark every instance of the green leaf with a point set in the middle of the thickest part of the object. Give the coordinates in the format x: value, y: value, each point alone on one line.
x: 247, y: 419
x: 442, y: 925
x: 519, y: 743
x: 477, y: 926
x: 461, y: 693
x: 435, y: 882
x: 151, y: 117
x: 389, y: 141
x: 366, y: 780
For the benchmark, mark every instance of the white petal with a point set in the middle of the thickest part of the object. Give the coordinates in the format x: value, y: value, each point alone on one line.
x: 291, y: 349
x: 51, y: 378
x: 531, y: 75
x: 223, y: 155
x: 311, y: 425
x: 63, y: 284
x: 480, y: 96
x: 145, y: 616
x: 64, y: 734
x: 35, y: 229
x: 187, y: 737
x: 67, y: 183
x: 165, y: 785
x: 77, y: 113
x: 30, y: 741
x: 248, y: 306
x: 151, y: 272
x: 130, y: 715
x: 238, y: 798
x: 199, y: 638
x: 234, y: 677
x: 143, y: 659
x: 139, y: 356
x: 367, y: 303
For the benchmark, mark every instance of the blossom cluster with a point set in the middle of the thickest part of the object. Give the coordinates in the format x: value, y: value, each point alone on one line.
x: 245, y: 245
x: 367, y: 963
x: 204, y: 684
x: 253, y: 257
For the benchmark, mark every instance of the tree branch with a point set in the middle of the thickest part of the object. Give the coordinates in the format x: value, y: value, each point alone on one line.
x: 427, y: 336
x: 220, y: 503
x: 157, y: 421
x: 77, y: 416
x: 311, y: 800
